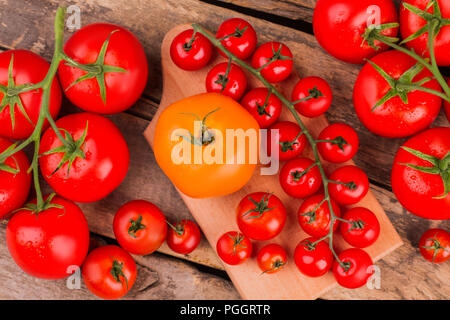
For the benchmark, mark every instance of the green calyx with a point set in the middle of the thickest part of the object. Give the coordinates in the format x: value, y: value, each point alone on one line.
x: 237, y: 241
x: 135, y: 226
x: 289, y: 145
x: 357, y: 224
x: 262, y: 109
x: 223, y: 78
x: 374, y: 32
x: 36, y: 208
x: 178, y: 228
x: 117, y: 272
x: 238, y: 33
x: 260, y: 207
x: 276, y: 265
x: 6, y: 168
x: 309, y: 245
x: 276, y: 57
x: 435, y: 247
x: 206, y: 135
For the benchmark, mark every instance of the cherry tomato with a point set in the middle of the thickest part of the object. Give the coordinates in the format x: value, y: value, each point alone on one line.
x: 315, y: 220
x: 118, y: 76
x: 358, y: 268
x: 313, y: 260
x: 275, y: 59
x: 265, y: 108
x: 352, y: 185
x: 243, y: 42
x: 314, y: 95
x: 339, y: 144
x: 363, y: 231
x: 271, y: 258
x: 19, y: 113
x: 140, y: 227
x: 109, y: 272
x: 261, y: 216
x: 184, y: 237
x: 300, y: 178
x: 190, y: 53
x: 94, y: 162
x: 289, y: 138
x: 234, y: 248
x: 227, y: 79
x: 434, y: 245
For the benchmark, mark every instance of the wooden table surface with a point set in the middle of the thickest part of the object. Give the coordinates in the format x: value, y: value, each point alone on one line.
x: 165, y: 275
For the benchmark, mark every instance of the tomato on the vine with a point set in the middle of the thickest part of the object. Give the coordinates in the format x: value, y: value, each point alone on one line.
x: 183, y: 237
x: 265, y: 108
x: 238, y: 36
x: 289, y: 138
x: 348, y: 185
x: 364, y: 229
x: 234, y: 248
x: 434, y: 245
x: 275, y: 61
x: 338, y: 143
x: 300, y: 178
x: 191, y: 53
x: 227, y: 79
x: 313, y: 259
x: 356, y: 270
x: 313, y: 96
x: 271, y: 258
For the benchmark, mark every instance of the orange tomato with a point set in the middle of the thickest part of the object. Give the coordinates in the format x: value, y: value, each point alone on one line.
x: 196, y: 150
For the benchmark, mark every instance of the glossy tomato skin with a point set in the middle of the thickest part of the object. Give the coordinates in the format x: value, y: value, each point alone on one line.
x: 243, y: 46
x: 288, y: 133
x: 14, y: 187
x: 187, y: 240
x: 50, y: 244
x: 148, y: 232
x: 104, y: 167
x: 394, y: 119
x: 315, y: 106
x: 360, y: 238
x: 360, y: 270
x: 332, y: 152
x: 257, y: 225
x: 255, y: 100
x: 278, y: 70
x: 296, y: 186
x: 28, y: 68
x: 230, y: 251
x: 343, y: 194
x: 419, y: 192
x: 313, y: 262
x: 339, y: 24
x: 271, y: 258
x: 320, y: 226
x: 97, y: 272
x: 237, y: 81
x: 437, y: 239
x: 195, y: 58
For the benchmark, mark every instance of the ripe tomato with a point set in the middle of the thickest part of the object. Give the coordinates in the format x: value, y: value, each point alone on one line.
x: 184, y: 237
x: 434, y: 245
x: 265, y: 108
x: 231, y: 82
x: 411, y: 22
x: 275, y: 61
x: 15, y: 181
x: 314, y: 95
x: 357, y: 271
x: 211, y: 175
x: 339, y: 27
x: 271, y: 258
x: 49, y: 243
x: 420, y: 176
x: 338, y: 143
x: 190, y: 53
x: 314, y: 216
x: 261, y: 216
x: 300, y: 178
x: 351, y: 187
x: 140, y: 227
x: 94, y: 162
x: 244, y: 39
x: 109, y: 272
x: 234, y: 248
x: 118, y: 73
x: 364, y: 230
x: 19, y: 113
x: 313, y: 260
x: 290, y: 139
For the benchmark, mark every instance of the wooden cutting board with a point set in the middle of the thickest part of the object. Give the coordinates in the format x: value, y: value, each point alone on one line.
x: 217, y: 215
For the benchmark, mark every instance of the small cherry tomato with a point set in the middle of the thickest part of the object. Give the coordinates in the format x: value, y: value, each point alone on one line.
x: 243, y: 39
x: 314, y: 96
x: 183, y: 237
x: 275, y: 61
x: 227, y: 79
x: 356, y: 270
x: 271, y: 258
x: 434, y: 245
x: 314, y: 216
x: 364, y: 229
x: 265, y: 108
x: 313, y: 259
x: 338, y: 143
x: 234, y: 248
x: 300, y: 178
x: 349, y: 185
x: 190, y: 53
x: 289, y: 138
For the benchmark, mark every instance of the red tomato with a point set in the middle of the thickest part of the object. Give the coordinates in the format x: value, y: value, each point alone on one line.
x: 264, y: 108
x: 275, y: 60
x: 421, y: 190
x: 364, y: 230
x: 411, y: 22
x: 232, y: 83
x: 315, y: 220
x: 15, y: 181
x: 339, y: 26
x: 271, y: 258
x: 234, y: 248
x: 140, y: 227
x: 314, y: 95
x: 27, y: 68
x: 290, y: 139
x: 243, y: 42
x: 184, y: 237
x: 109, y: 272
x: 50, y: 243
x: 358, y: 268
x: 190, y: 55
x: 313, y: 260
x: 299, y: 178
x: 351, y: 187
x: 434, y: 245
x: 100, y: 158
x: 118, y: 76
x: 339, y: 143
x: 261, y: 216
